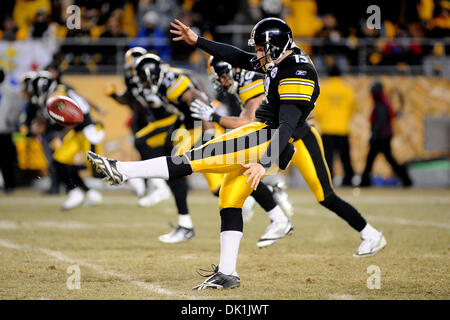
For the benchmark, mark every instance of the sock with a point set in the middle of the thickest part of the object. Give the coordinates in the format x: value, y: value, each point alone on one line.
x: 152, y: 168
x: 185, y: 221
x: 229, y: 248
x: 368, y: 232
x: 277, y: 215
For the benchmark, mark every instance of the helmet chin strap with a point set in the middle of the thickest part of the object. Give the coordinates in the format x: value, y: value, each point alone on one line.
x: 269, y: 66
x: 155, y: 87
x: 233, y: 87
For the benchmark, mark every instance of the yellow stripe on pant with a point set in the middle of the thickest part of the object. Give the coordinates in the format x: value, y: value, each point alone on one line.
x: 148, y: 132
x: 203, y: 159
x: 234, y: 189
x: 309, y: 159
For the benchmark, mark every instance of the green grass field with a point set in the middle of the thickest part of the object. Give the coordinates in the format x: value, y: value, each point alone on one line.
x: 115, y: 246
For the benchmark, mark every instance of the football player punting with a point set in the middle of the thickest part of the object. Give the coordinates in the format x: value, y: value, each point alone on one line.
x: 248, y: 88
x: 250, y: 152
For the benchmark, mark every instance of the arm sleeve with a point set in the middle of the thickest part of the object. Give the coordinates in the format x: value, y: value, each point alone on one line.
x: 289, y: 116
x: 233, y: 55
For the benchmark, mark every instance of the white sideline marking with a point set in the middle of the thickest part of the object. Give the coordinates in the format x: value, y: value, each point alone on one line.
x: 60, y: 256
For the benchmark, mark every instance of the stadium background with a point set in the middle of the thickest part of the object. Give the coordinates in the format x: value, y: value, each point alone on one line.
x: 409, y: 53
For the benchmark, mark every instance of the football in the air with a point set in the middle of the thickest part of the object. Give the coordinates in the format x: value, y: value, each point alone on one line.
x: 64, y: 110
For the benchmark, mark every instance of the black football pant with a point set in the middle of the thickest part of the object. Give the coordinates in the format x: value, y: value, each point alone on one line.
x: 383, y: 146
x: 338, y: 144
x: 8, y: 161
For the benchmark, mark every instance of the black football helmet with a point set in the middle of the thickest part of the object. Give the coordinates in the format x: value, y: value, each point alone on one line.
x: 131, y: 56
x: 43, y: 85
x: 149, y: 70
x: 276, y: 37
x: 26, y: 83
x: 217, y: 68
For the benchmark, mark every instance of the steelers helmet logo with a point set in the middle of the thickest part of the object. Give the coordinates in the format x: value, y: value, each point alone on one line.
x: 60, y: 105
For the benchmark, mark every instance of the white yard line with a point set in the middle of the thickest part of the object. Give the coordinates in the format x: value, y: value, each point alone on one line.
x: 65, y: 225
x: 202, y: 199
x: 98, y: 269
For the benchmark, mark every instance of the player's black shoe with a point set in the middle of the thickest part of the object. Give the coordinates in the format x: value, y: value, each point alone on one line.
x: 107, y: 167
x: 218, y: 280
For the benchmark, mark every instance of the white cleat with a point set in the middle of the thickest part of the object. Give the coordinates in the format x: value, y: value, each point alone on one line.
x: 274, y: 232
x: 154, y: 197
x: 138, y: 186
x: 94, y: 197
x: 248, y: 209
x: 179, y: 234
x: 371, y: 246
x: 75, y: 198
x: 282, y: 199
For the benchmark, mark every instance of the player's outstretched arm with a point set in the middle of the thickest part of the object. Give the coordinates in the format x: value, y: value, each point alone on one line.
x: 233, y: 55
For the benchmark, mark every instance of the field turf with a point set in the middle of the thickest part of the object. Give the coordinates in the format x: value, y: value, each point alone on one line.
x: 116, y: 247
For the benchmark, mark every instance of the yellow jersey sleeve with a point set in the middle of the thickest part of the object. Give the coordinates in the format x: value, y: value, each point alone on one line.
x: 251, y: 90
x: 296, y: 89
x: 179, y: 86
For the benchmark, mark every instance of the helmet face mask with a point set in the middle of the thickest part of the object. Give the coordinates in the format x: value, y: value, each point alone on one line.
x: 149, y: 72
x: 221, y: 73
x: 275, y: 36
x: 26, y: 84
x: 43, y: 85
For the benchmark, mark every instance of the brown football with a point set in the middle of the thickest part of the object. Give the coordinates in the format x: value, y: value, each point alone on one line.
x: 64, y: 110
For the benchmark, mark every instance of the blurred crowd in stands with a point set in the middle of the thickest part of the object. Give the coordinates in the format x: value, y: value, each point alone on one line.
x: 340, y: 27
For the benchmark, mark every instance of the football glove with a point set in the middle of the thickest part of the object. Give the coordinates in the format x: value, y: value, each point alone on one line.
x: 110, y: 90
x: 204, y: 111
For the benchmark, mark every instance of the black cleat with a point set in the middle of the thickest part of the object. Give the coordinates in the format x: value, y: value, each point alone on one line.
x: 218, y: 280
